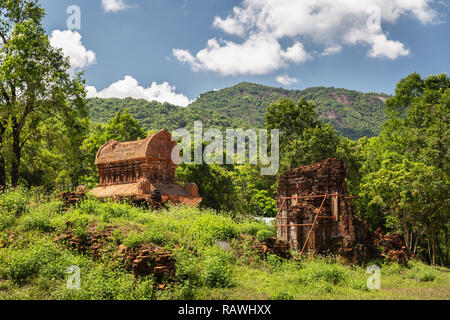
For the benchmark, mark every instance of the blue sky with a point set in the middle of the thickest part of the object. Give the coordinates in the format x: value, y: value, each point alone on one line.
x: 175, y: 50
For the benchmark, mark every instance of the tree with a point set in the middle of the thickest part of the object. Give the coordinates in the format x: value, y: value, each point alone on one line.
x: 34, y: 81
x: 405, y: 169
x: 410, y: 194
x: 291, y: 118
x: 306, y: 140
x: 123, y: 127
x: 418, y: 124
x: 214, y: 182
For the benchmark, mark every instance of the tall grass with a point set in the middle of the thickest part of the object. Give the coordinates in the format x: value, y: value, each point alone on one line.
x: 32, y: 266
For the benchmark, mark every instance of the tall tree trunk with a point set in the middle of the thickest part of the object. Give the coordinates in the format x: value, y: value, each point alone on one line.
x: 17, y: 154
x: 2, y: 161
x: 433, y: 246
x: 2, y: 173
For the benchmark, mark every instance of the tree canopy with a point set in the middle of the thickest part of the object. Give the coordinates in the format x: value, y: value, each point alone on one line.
x: 36, y: 91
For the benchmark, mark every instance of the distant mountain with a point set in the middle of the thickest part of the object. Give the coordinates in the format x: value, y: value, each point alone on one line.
x: 352, y: 113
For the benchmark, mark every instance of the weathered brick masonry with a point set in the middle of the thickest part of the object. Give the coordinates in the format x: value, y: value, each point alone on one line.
x: 337, y: 229
x: 137, y: 169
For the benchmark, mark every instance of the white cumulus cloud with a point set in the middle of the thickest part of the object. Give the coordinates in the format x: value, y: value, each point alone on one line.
x: 129, y: 87
x: 259, y: 54
x: 114, y: 5
x: 72, y: 47
x: 286, y: 80
x: 262, y: 24
x: 332, y: 50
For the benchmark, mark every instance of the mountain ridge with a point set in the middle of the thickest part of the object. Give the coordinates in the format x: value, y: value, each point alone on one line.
x: 353, y: 113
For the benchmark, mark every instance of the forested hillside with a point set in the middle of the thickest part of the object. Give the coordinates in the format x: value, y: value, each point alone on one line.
x: 352, y: 113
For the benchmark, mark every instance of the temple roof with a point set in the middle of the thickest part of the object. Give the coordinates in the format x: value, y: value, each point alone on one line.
x: 157, y: 146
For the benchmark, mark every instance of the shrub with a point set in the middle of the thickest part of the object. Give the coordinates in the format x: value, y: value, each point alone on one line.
x: 217, y: 272
x: 187, y: 266
x: 105, y: 282
x: 274, y: 261
x: 41, y: 258
x: 79, y: 222
x: 215, y: 227
x: 282, y: 295
x: 250, y: 229
x: 265, y: 235
x: 89, y: 206
x: 321, y: 271
x: 427, y: 275
x: 23, y: 267
x: 36, y: 221
x: 421, y: 272
x: 111, y: 210
x: 15, y: 201
x: 7, y: 220
x: 134, y: 239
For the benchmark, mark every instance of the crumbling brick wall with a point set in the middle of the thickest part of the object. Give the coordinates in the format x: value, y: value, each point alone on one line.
x: 337, y: 229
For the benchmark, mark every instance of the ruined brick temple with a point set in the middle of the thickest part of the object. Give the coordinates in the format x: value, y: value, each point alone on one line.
x: 314, y: 213
x: 138, y: 169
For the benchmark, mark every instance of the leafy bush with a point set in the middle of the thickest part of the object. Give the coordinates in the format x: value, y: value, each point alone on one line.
x: 215, y: 227
x: 89, y: 206
x: 427, y: 275
x: 42, y: 258
x: 7, y: 220
x: 265, y: 235
x: 108, y: 283
x: 321, y: 271
x: 217, y: 272
x: 250, y: 228
x: 79, y: 222
x: 135, y: 239
x: 282, y: 295
x: 37, y: 221
x: 421, y: 272
x: 114, y: 210
x: 15, y: 201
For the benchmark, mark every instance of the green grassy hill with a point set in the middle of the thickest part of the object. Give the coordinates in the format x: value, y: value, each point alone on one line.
x: 34, y: 264
x: 354, y: 114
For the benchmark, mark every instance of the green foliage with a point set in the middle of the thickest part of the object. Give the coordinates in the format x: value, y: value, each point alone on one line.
x: 421, y: 272
x: 32, y: 266
x: 266, y: 203
x: 39, y: 218
x: 217, y: 272
x: 123, y: 127
x: 15, y: 201
x: 306, y: 140
x: 352, y: 113
x: 214, y: 182
x: 265, y: 235
x: 43, y: 108
x: 134, y: 239
x: 405, y: 170
x: 291, y: 118
x: 42, y: 258
x: 109, y: 283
